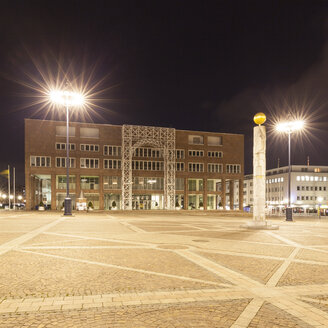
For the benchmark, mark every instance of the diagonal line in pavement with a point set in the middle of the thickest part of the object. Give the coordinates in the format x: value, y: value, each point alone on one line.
x: 303, y: 311
x: 31, y: 234
x: 282, y: 269
x: 126, y: 268
x: 98, y: 238
x: 248, y: 314
x: 220, y: 270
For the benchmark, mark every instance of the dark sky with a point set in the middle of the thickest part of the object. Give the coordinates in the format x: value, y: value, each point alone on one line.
x: 202, y: 65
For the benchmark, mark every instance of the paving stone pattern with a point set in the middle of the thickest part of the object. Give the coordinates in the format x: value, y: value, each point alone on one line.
x: 156, y: 269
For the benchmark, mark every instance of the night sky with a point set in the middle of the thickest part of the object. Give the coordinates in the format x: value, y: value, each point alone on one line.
x: 200, y: 65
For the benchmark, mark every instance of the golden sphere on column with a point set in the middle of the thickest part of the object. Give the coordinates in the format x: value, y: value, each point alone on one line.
x: 259, y: 118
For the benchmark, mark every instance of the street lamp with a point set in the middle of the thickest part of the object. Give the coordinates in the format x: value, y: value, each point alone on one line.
x: 67, y: 99
x: 289, y: 127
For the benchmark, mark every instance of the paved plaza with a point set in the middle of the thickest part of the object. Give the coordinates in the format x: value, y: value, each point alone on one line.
x: 157, y: 269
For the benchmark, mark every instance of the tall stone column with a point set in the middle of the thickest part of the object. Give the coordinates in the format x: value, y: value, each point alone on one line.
x: 259, y: 168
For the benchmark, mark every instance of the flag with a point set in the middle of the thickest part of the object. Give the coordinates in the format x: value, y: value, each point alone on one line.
x: 4, y: 172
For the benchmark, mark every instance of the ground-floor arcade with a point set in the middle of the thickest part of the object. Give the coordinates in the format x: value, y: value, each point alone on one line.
x: 104, y: 192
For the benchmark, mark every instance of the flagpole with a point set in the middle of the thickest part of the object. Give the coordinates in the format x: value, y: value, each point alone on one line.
x: 9, y: 185
x: 14, y: 207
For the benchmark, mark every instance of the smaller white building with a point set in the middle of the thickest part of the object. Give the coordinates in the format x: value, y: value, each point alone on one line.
x: 309, y: 189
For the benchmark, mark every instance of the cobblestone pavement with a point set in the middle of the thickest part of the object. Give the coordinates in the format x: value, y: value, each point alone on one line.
x: 161, y: 269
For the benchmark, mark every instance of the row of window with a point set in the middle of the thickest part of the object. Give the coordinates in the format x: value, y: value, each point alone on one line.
x: 275, y: 180
x: 309, y: 198
x: 62, y: 146
x: 148, y: 165
x: 139, y: 152
x: 93, y: 163
x: 311, y: 188
x: 199, y: 140
x: 94, y: 133
x: 275, y: 189
x: 139, y: 183
x: 310, y: 178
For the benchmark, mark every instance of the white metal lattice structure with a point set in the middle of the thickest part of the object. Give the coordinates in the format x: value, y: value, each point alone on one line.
x: 134, y: 136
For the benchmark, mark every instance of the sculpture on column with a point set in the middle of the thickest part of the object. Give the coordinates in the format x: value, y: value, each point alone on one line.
x: 259, y: 168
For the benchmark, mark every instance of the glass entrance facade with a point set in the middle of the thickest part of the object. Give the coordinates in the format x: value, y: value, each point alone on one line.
x: 147, y: 202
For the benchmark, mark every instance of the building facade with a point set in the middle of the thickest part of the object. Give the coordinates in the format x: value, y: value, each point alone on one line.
x: 133, y: 167
x: 309, y: 188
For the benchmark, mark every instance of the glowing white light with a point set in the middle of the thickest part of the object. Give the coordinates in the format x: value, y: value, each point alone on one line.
x: 290, y: 127
x: 20, y: 197
x: 66, y: 98
x: 11, y: 197
x: 151, y: 181
x: 4, y: 196
x: 320, y: 199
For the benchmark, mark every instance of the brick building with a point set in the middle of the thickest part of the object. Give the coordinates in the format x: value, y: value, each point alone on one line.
x: 132, y: 167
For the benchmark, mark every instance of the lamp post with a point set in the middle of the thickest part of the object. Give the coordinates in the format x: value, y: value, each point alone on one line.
x: 67, y: 99
x: 320, y: 199
x: 289, y: 127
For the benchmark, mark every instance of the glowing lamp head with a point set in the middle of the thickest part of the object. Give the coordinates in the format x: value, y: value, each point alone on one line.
x: 290, y: 127
x: 259, y: 118
x: 66, y: 98
x: 320, y: 199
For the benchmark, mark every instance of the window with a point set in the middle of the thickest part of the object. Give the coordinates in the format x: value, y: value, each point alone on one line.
x: 114, y: 164
x: 298, y: 197
x: 195, y: 184
x: 89, y: 163
x: 180, y: 166
x: 180, y: 154
x: 196, y: 153
x: 112, y: 150
x: 89, y: 147
x: 148, y: 165
x: 214, y: 168
x: 146, y: 183
x: 233, y: 168
x: 195, y: 140
x: 148, y: 152
x: 112, y: 182
x: 40, y: 161
x: 89, y: 182
x: 214, y: 184
x: 196, y: 167
x: 61, y: 182
x: 61, y: 162
x: 62, y: 146
x: 89, y: 133
x: 214, y: 141
x: 61, y: 131
x: 179, y: 184
x: 298, y: 188
x: 216, y: 154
